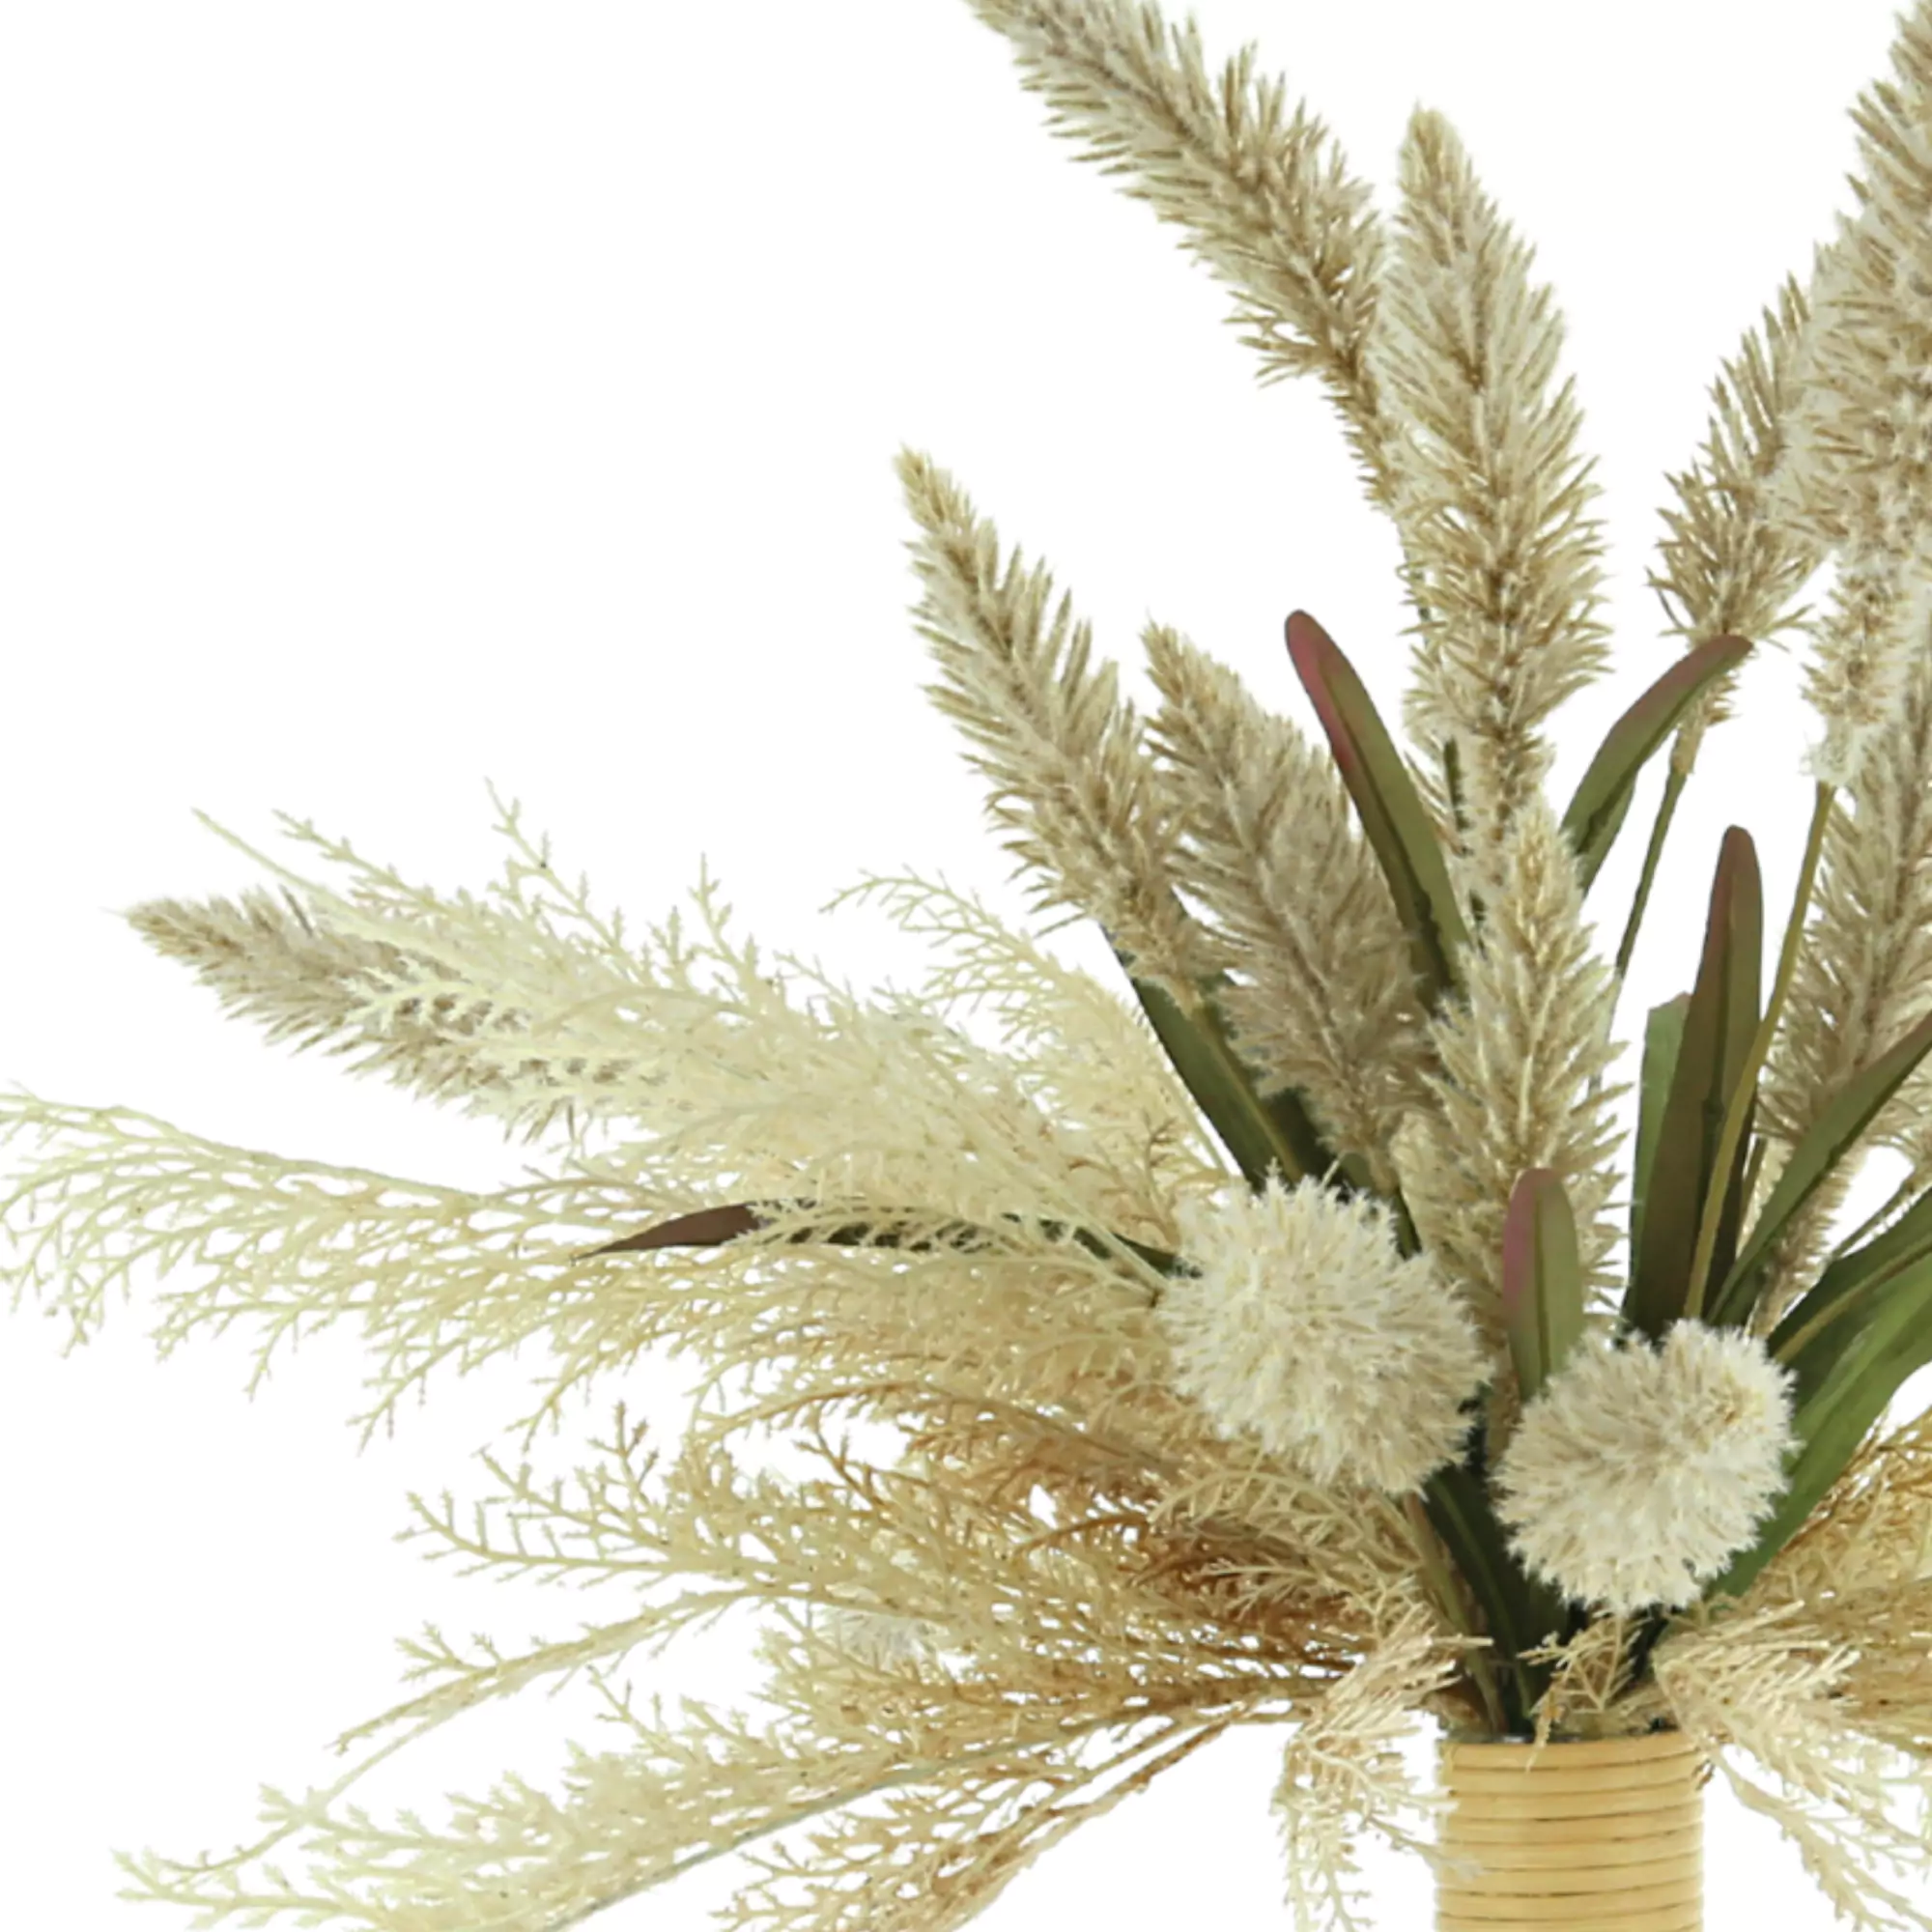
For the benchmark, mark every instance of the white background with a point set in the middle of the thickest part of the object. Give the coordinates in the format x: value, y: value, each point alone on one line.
x: 398, y: 396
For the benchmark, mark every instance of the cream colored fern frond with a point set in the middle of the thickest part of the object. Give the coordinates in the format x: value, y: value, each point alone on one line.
x: 1343, y: 1776
x: 433, y: 1275
x: 1872, y: 1531
x: 1772, y: 1685
x: 1080, y: 1048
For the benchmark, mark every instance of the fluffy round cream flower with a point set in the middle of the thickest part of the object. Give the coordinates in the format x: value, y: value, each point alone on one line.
x: 1306, y: 1330
x: 1639, y: 1471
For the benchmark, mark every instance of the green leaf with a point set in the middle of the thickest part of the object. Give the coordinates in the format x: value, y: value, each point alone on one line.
x: 713, y: 1227
x: 1543, y: 1279
x: 1261, y: 1134
x: 1829, y: 1140
x: 1818, y: 1331
x: 1841, y: 1409
x: 1719, y: 1025
x: 1597, y: 811
x: 1392, y: 815
x: 1662, y: 1040
x: 1519, y: 1613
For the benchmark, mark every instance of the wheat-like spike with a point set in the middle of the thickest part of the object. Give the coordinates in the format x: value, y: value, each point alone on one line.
x: 1492, y: 499
x: 1325, y: 1001
x: 1859, y: 478
x: 1072, y: 784
x: 280, y: 962
x: 1264, y: 195
x: 1863, y: 972
x: 447, y: 996
x: 1729, y: 562
x: 1521, y: 1083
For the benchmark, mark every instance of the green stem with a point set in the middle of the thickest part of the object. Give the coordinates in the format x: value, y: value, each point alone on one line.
x: 1440, y: 1577
x: 1654, y: 1624
x: 1746, y: 1091
x: 1667, y: 811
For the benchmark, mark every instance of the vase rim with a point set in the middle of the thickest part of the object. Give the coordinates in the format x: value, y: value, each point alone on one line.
x: 1645, y: 1745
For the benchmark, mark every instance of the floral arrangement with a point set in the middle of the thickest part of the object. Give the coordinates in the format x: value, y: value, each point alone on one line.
x: 1282, y: 1336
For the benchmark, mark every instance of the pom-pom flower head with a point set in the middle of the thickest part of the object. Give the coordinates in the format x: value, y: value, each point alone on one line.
x: 1304, y: 1328
x: 1639, y: 1471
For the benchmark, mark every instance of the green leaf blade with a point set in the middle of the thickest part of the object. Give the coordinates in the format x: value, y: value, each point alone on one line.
x: 1520, y: 1613
x: 1275, y: 1134
x: 1392, y: 817
x: 1830, y: 1137
x: 1720, y: 1022
x: 1597, y: 810
x: 1847, y: 1402
x: 1543, y: 1279
x: 717, y: 1227
x: 1823, y: 1324
x: 1663, y: 1041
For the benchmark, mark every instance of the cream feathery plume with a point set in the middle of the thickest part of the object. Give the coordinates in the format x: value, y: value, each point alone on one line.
x: 428, y: 992
x: 1072, y: 784
x: 281, y: 963
x: 1263, y: 194
x: 1325, y: 998
x: 1522, y: 1061
x: 1639, y: 1471
x: 1304, y: 1328
x: 1492, y: 499
x: 1729, y: 562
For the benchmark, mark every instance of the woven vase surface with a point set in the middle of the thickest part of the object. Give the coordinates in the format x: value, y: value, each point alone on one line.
x: 1600, y: 1836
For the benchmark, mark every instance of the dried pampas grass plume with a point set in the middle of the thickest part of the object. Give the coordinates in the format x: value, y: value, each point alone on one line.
x: 1306, y: 1330
x: 1640, y: 1472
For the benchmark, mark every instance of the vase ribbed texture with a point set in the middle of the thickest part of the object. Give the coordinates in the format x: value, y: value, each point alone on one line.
x: 1600, y: 1836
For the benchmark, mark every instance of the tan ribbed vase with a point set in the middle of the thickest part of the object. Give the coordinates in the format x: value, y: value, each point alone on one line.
x: 1600, y: 1836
